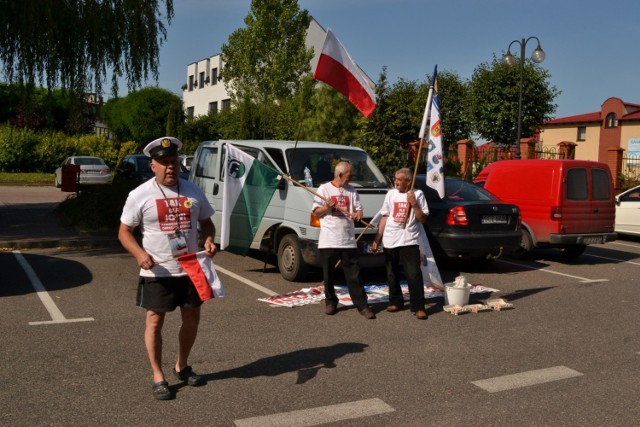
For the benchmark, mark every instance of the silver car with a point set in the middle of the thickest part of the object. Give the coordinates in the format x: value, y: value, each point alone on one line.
x: 93, y: 171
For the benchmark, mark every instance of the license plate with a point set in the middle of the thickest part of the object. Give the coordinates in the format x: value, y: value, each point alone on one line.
x: 592, y: 240
x: 366, y: 248
x: 493, y: 219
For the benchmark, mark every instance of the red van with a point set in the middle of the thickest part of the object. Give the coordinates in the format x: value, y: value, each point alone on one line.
x: 567, y: 204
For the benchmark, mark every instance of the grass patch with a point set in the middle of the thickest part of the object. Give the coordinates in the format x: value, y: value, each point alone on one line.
x: 35, y: 178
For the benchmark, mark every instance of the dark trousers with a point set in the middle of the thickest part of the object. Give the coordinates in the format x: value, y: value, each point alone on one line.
x: 409, y: 258
x: 349, y: 260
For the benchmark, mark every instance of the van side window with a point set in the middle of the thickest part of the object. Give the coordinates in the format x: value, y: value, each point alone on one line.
x: 577, y: 185
x: 601, y: 184
x: 277, y: 156
x: 207, y: 162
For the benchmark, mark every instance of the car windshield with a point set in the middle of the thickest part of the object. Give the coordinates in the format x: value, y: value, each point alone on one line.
x: 88, y: 161
x: 463, y: 191
x: 144, y: 164
x: 322, y: 161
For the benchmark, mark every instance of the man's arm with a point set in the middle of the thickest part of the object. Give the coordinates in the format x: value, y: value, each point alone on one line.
x: 129, y: 242
x: 208, y: 231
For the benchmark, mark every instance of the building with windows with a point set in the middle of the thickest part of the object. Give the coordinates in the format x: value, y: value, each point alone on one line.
x: 204, y: 92
x: 591, y: 136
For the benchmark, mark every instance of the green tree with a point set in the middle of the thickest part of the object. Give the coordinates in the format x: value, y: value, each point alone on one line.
x: 379, y: 135
x: 78, y: 44
x: 452, y: 94
x: 330, y: 117
x: 268, y: 58
x: 142, y: 115
x: 492, y: 105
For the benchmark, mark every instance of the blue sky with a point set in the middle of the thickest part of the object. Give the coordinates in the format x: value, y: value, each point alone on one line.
x: 592, y: 47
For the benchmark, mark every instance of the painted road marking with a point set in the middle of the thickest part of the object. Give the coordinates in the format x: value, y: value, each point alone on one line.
x: 52, y: 308
x: 544, y: 270
x: 614, y: 259
x: 321, y: 415
x: 246, y: 281
x: 525, y: 379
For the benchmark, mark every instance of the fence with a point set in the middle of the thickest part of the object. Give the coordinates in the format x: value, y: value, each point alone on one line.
x: 630, y: 170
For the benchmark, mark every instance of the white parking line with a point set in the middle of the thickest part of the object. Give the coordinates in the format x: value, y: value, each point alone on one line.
x: 544, y: 270
x: 624, y: 244
x: 246, y: 281
x: 321, y: 415
x: 524, y: 379
x: 613, y: 259
x: 52, y: 308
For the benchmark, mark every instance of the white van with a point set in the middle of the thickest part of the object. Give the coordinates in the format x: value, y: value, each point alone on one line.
x: 288, y: 228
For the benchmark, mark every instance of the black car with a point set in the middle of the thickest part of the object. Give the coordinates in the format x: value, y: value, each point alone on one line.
x: 469, y: 221
x: 137, y: 167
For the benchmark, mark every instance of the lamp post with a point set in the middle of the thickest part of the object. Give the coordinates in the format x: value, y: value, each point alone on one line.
x: 537, y: 56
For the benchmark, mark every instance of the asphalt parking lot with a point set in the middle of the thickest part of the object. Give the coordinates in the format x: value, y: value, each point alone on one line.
x: 566, y: 354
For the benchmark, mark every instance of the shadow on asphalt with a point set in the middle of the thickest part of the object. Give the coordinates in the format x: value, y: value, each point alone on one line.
x: 61, y: 274
x: 307, y: 363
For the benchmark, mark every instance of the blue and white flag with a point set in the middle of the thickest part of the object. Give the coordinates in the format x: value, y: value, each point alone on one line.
x: 435, y: 166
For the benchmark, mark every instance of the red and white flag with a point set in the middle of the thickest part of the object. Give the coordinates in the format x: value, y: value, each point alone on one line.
x: 203, y: 274
x: 336, y: 68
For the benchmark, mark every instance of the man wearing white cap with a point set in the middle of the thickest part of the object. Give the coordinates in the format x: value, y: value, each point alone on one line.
x: 167, y: 210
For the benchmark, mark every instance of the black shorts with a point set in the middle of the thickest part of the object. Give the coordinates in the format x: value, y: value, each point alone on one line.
x: 163, y: 294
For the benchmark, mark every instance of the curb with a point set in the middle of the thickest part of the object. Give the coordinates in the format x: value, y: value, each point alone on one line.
x: 74, y: 242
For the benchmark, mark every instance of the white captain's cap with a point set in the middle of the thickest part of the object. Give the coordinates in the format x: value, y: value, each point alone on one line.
x: 165, y: 146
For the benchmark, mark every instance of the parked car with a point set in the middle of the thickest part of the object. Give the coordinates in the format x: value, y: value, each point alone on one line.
x: 628, y: 212
x: 469, y: 222
x: 93, y: 171
x: 565, y: 204
x: 186, y: 161
x: 137, y: 167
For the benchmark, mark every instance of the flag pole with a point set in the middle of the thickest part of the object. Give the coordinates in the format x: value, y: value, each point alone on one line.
x: 423, y: 126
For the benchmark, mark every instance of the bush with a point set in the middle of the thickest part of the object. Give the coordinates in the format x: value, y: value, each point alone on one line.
x: 23, y: 150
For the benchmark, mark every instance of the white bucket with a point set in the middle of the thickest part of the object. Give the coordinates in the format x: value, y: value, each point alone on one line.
x: 456, y: 296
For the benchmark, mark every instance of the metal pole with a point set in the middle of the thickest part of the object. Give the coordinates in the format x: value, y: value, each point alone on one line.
x: 523, y: 43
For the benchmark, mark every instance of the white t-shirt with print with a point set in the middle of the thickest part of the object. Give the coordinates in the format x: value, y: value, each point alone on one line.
x: 396, y: 207
x: 336, y: 229
x: 159, y: 215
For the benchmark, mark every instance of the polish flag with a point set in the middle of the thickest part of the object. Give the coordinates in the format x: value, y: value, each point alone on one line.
x: 337, y: 69
x: 203, y: 274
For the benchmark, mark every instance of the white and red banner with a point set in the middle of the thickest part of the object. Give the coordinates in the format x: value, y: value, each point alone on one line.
x: 203, y: 274
x: 376, y: 293
x: 337, y: 69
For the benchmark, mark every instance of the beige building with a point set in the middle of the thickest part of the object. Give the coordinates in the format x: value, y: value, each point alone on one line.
x: 591, y: 136
x: 204, y: 92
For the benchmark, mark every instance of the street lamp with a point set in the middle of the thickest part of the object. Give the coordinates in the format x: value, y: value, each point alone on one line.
x: 537, y: 56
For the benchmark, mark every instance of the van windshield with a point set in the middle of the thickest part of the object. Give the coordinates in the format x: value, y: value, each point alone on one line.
x: 322, y: 161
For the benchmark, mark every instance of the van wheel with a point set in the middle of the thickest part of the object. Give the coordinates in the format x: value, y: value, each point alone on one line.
x: 526, y: 246
x: 290, y: 263
x: 573, y: 251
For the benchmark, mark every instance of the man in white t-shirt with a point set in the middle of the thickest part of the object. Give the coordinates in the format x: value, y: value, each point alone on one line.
x: 167, y: 210
x: 403, y: 213
x: 338, y: 207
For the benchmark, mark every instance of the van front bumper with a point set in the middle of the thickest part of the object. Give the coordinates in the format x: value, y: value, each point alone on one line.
x: 582, y: 239
x: 311, y: 253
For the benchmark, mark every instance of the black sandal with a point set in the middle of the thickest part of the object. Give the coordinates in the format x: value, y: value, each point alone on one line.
x: 187, y: 375
x: 161, y: 390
